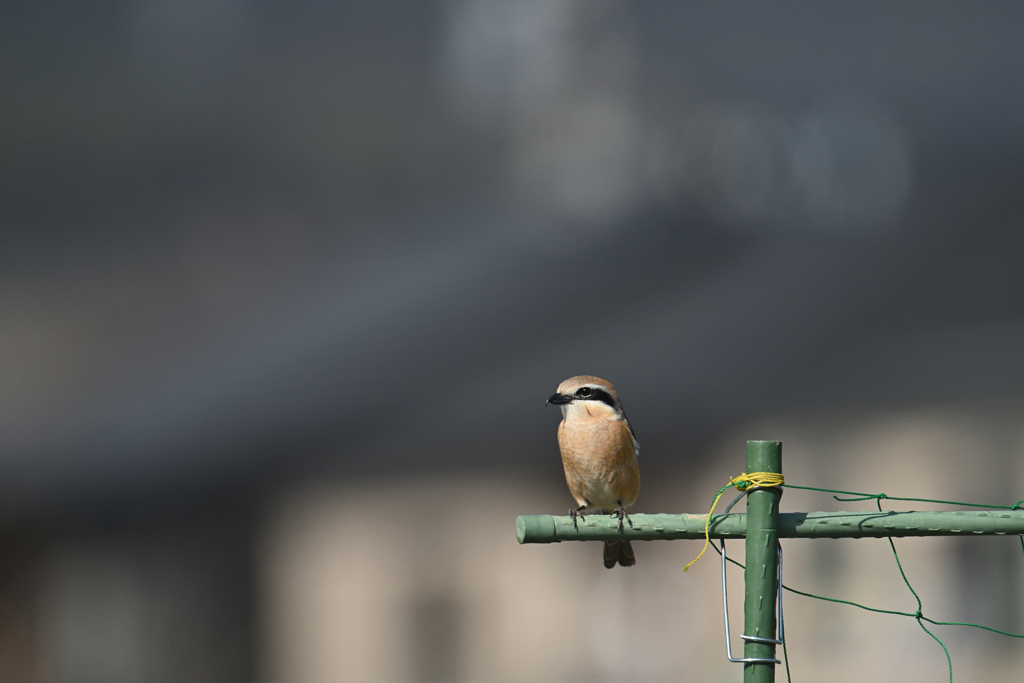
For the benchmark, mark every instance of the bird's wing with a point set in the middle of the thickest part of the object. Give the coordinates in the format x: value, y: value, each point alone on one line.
x: 636, y: 444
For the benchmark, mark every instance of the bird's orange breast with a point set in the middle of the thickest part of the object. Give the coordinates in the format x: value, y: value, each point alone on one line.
x: 600, y: 462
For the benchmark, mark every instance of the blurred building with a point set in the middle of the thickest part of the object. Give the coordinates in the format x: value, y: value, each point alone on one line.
x: 283, y: 289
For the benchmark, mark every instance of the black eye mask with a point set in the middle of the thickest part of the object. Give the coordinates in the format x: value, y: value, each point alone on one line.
x: 596, y: 395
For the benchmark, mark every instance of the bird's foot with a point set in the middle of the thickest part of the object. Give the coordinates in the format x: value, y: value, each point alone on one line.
x: 620, y: 513
x: 577, y: 512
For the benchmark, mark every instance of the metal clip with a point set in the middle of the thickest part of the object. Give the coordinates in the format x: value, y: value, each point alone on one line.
x: 725, y: 603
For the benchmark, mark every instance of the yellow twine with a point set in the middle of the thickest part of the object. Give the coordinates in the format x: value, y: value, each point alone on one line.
x: 742, y: 483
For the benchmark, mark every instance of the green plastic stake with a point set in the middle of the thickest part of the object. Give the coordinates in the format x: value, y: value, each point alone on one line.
x: 666, y: 527
x: 761, y: 574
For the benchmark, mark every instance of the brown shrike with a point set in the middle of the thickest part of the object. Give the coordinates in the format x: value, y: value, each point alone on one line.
x: 599, y: 454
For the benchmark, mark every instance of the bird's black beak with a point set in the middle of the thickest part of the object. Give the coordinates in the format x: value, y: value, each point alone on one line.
x: 558, y: 399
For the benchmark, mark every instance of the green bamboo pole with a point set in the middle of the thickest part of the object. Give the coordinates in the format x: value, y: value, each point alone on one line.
x: 662, y: 527
x: 760, y: 577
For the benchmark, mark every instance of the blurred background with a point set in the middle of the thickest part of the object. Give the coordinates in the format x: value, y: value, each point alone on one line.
x: 283, y: 289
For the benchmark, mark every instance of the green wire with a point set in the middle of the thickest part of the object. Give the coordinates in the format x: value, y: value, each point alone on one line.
x: 785, y: 651
x: 917, y: 616
x: 882, y: 496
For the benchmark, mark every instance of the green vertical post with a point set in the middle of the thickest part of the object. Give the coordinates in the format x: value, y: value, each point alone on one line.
x: 761, y: 575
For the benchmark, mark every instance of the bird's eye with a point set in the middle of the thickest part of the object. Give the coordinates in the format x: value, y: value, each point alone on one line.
x: 584, y: 392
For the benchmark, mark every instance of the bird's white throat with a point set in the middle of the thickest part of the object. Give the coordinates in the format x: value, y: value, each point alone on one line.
x: 588, y: 410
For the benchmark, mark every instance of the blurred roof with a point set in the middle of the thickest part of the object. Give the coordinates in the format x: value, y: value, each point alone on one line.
x: 239, y: 240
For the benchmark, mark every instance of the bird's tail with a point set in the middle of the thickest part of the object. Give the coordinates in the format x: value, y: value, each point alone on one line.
x: 618, y: 552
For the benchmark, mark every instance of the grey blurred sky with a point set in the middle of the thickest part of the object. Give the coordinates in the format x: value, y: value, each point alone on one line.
x: 241, y: 241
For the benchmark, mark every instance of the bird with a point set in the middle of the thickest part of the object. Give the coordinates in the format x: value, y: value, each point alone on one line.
x: 599, y: 454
